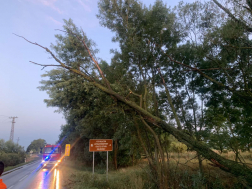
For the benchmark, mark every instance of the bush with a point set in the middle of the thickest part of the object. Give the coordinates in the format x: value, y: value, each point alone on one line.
x: 12, y: 159
x: 225, y: 151
x: 178, y: 147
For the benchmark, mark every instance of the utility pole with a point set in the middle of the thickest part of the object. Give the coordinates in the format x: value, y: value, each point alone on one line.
x: 12, y: 128
x: 17, y: 140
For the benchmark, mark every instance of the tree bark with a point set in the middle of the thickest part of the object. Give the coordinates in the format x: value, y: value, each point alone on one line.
x: 115, y: 153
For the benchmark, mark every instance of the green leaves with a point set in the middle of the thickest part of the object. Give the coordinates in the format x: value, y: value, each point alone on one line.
x: 188, y: 66
x: 36, y: 146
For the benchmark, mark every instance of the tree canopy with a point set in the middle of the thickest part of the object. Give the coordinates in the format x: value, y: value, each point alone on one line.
x: 184, y: 72
x: 36, y: 146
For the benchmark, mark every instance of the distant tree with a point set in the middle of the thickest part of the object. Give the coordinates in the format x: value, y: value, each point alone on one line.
x: 36, y: 145
x: 2, y: 145
x: 11, y: 153
x: 10, y: 147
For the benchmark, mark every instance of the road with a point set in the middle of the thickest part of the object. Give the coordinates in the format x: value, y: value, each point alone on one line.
x: 32, y: 176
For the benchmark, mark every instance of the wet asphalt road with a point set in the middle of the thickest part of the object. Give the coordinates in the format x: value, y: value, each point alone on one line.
x: 33, y: 176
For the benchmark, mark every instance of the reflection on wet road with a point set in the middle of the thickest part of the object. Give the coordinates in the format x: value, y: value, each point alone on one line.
x: 47, y: 178
x: 34, y: 177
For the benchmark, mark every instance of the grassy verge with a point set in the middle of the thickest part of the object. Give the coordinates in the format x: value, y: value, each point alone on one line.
x: 183, y: 172
x: 21, y: 164
x: 76, y: 177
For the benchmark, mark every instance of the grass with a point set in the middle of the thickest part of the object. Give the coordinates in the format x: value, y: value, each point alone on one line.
x: 186, y: 165
x: 82, y: 178
x: 21, y: 164
x: 183, y: 172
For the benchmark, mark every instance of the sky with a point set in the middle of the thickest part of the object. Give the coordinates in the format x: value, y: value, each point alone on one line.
x: 37, y: 20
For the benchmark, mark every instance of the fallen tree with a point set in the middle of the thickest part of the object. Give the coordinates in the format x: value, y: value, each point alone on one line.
x: 240, y: 170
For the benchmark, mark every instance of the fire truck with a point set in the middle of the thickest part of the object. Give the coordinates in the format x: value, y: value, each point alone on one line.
x: 51, y: 155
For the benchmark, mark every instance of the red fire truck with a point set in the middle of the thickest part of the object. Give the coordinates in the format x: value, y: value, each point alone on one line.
x: 51, y: 155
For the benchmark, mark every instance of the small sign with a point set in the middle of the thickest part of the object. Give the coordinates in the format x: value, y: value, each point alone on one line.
x: 67, y: 150
x: 100, y: 145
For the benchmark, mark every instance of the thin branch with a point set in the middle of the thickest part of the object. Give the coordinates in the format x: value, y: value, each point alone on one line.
x: 249, y: 29
x: 199, y: 71
x: 140, y: 96
x: 195, y: 69
x: 57, y: 60
x: 169, y: 98
x: 86, y: 72
x: 237, y: 47
x: 44, y: 65
x: 92, y: 57
x: 30, y: 41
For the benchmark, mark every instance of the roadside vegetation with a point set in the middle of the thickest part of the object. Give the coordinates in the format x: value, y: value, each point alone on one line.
x: 181, y: 72
x: 11, y: 154
x: 183, y: 172
x: 14, y: 155
x: 28, y: 160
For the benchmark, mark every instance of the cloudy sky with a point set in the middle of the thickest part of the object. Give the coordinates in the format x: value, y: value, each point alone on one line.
x: 19, y: 79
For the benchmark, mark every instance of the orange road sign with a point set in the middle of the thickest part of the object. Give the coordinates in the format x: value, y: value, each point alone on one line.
x: 67, y: 150
x: 100, y: 145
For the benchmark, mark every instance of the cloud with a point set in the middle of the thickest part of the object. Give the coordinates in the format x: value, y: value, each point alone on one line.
x: 55, y: 21
x: 48, y: 3
x: 86, y: 7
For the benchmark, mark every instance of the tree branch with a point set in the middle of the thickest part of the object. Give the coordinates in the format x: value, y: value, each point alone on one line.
x: 249, y: 29
x: 57, y: 60
x: 44, y: 65
x: 90, y: 54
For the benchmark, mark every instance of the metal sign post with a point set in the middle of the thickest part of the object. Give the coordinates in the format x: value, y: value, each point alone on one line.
x: 93, y: 162
x: 107, y: 166
x: 101, y: 145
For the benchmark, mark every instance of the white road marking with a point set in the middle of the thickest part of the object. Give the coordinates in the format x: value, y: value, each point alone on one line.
x: 23, y: 178
x: 10, y: 187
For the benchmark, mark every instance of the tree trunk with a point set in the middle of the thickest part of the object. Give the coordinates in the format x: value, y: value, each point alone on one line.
x: 236, y: 156
x: 200, y: 164
x: 236, y: 169
x: 115, y: 153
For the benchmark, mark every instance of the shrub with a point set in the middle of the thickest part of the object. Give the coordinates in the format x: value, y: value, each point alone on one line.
x: 178, y: 147
x: 12, y: 159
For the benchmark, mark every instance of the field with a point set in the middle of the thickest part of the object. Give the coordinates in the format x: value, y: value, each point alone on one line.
x: 183, y: 172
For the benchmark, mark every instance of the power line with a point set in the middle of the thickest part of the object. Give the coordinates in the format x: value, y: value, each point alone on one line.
x: 4, y: 120
x: 4, y: 115
x: 12, y: 128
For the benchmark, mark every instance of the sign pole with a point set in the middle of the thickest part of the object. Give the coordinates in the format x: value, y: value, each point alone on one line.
x: 107, y: 166
x: 101, y: 145
x: 93, y: 162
